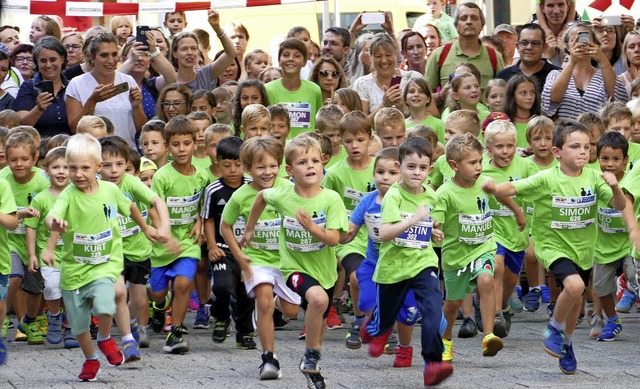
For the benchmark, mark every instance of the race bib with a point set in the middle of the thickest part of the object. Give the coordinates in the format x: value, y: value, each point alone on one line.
x: 354, y: 196
x: 128, y: 227
x: 610, y: 221
x: 372, y: 221
x: 21, y: 229
x: 299, y: 114
x: 299, y: 239
x: 475, y: 229
x: 92, y: 249
x: 570, y: 213
x: 418, y: 236
x: 266, y: 234
x: 238, y: 228
x: 183, y: 210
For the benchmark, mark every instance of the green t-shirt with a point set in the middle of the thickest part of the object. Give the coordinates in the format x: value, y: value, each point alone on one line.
x: 201, y: 163
x: 303, y: 104
x: 299, y: 250
x: 336, y: 158
x: 594, y: 165
x: 527, y: 206
x: 43, y: 202
x: 613, y: 238
x: 504, y: 220
x: 7, y: 206
x: 92, y: 244
x: 352, y: 186
x: 565, y: 210
x: 183, y: 196
x: 483, y: 112
x: 136, y: 246
x: 632, y: 186
x: 441, y: 172
x: 24, y: 194
x: 209, y: 175
x: 431, y: 121
x: 264, y: 249
x: 411, y: 252
x: 521, y: 129
x: 634, y: 155
x: 6, y: 171
x: 466, y: 222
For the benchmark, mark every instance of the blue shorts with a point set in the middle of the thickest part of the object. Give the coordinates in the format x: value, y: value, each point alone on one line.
x: 160, y: 276
x: 4, y: 286
x: 512, y: 259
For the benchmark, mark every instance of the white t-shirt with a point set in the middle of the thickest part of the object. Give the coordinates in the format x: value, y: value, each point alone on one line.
x: 9, y: 83
x: 369, y: 91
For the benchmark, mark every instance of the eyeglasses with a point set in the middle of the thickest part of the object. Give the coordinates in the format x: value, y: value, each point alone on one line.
x: 21, y: 58
x: 174, y: 104
x: 331, y: 43
x: 525, y: 43
x: 325, y: 73
x: 608, y: 30
x: 75, y: 46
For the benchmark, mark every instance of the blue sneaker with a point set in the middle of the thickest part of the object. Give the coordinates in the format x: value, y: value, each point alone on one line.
x: 568, y: 363
x: 54, y: 328
x: 135, y: 330
x: 626, y: 302
x: 610, y: 331
x: 550, y: 309
x: 202, y: 318
x: 532, y: 300
x: 554, y: 342
x: 518, y: 290
x: 546, y: 294
x: 70, y: 340
x: 3, y: 351
x: 130, y: 351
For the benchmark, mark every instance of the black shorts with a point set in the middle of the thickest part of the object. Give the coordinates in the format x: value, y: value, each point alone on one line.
x: 301, y: 283
x: 564, y: 267
x: 137, y: 272
x: 351, y: 263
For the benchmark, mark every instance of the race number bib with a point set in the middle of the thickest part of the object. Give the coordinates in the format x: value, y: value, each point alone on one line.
x: 266, y: 234
x: 299, y: 239
x: 610, y: 221
x: 92, y: 249
x: 418, y: 236
x: 354, y: 196
x: 127, y: 226
x: 475, y: 229
x: 183, y: 210
x: 570, y: 213
x: 372, y: 221
x: 238, y: 228
x: 299, y: 114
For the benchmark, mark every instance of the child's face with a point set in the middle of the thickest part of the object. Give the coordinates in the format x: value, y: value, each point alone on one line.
x: 391, y: 136
x: 271, y: 75
x: 223, y: 110
x: 635, y: 131
x: 4, y: 68
x: 306, y: 167
x: 259, y: 63
x: 469, y: 168
x: 468, y: 93
x: 231, y: 171
x: 338, y: 101
x: 58, y: 172
x: 153, y: 146
x: 203, y: 105
x: 541, y: 144
x: 622, y: 126
x: 453, y: 128
x: 37, y: 31
x: 250, y: 95
x: 291, y: 61
x: 147, y: 177
x: 256, y: 128
x: 525, y: 96
x: 612, y: 160
x: 574, y: 154
x: 212, y: 142
x: 593, y: 146
x: 175, y: 23
x: 181, y: 148
x: 356, y: 145
x: 264, y: 172
x: 20, y: 161
x: 304, y: 36
x: 82, y: 172
x: 336, y: 140
x: 279, y: 129
x: 113, y: 168
x: 386, y: 173
x: 502, y: 149
x: 130, y: 169
x: 200, y: 126
x: 435, y: 8
x: 123, y: 30
x: 414, y: 170
x: 416, y: 98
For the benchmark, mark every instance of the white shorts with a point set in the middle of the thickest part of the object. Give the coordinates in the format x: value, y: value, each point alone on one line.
x: 273, y: 276
x: 51, y: 277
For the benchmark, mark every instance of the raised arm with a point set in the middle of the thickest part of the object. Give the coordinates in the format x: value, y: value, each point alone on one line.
x: 219, y: 65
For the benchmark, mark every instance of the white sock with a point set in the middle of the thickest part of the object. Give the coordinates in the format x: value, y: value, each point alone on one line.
x: 127, y: 338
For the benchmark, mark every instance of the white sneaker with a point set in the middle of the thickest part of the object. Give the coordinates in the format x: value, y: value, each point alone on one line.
x: 597, y: 325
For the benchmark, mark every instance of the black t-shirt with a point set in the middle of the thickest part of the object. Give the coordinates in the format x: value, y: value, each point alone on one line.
x: 216, y: 196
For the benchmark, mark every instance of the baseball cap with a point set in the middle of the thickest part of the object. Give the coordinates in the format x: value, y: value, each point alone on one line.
x: 504, y: 28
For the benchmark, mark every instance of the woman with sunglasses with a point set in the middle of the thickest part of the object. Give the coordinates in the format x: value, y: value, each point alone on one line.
x: 328, y: 74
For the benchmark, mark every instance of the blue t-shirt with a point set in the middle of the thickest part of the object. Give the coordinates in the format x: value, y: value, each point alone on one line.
x: 369, y: 212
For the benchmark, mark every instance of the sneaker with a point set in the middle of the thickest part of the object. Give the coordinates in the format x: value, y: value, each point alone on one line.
x: 54, y: 331
x: 404, y: 355
x: 130, y: 351
x: 491, y: 344
x: 270, y: 368
x: 518, y: 290
x: 175, y: 342
x: 621, y: 286
x: 333, y: 321
x: 69, y: 339
x: 315, y: 381
x: 545, y: 294
x: 32, y: 330
x: 447, y: 350
x: 392, y: 344
x: 500, y: 326
x: 303, y: 334
x: 194, y: 303
x: 3, y: 351
x: 597, y: 325
x: 532, y: 300
x: 436, y: 372
x: 626, y: 302
x: 377, y: 344
x: 365, y: 336
x: 202, y: 318
x: 515, y: 303
x: 309, y: 362
x: 144, y: 337
x: 554, y: 342
x: 5, y: 326
x: 43, y: 323
x: 568, y: 363
x: 90, y: 370
x: 610, y: 331
x: 157, y: 316
x: 279, y: 319
x: 507, y: 314
x: 353, y: 340
x: 245, y: 342
x: 110, y: 350
x: 477, y: 313
x: 221, y: 331
x: 550, y: 309
x: 20, y: 336
x: 340, y: 310
x: 135, y: 330
x: 468, y: 329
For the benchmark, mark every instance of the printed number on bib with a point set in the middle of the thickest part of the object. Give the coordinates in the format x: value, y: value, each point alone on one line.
x: 417, y: 236
x: 299, y: 239
x: 610, y: 221
x: 570, y: 213
x: 92, y: 249
x: 475, y: 229
x: 372, y: 220
x: 183, y: 210
x: 238, y: 228
x: 354, y: 196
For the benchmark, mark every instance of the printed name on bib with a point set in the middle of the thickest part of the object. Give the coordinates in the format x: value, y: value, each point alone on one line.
x: 21, y: 229
x: 610, y: 221
x: 569, y: 213
x: 372, y: 220
x: 266, y: 234
x: 92, y: 249
x: 128, y: 227
x: 183, y: 210
x: 418, y: 236
x: 475, y: 229
x: 299, y: 114
x: 299, y: 239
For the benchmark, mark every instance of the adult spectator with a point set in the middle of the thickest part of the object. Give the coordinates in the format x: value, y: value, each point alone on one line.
x: 507, y: 35
x: 38, y: 108
x: 239, y: 35
x: 329, y: 76
x: 469, y: 22
x: 432, y: 37
x: 97, y: 92
x: 580, y: 86
x: 611, y: 38
x: 22, y: 59
x: 73, y: 43
x: 531, y: 46
x: 631, y: 59
x: 336, y: 43
x: 556, y: 13
x: 10, y: 36
x: 174, y: 100
x: 414, y: 50
x: 359, y: 58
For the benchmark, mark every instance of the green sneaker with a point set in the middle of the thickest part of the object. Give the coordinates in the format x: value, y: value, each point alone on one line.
x: 175, y: 342
x: 32, y: 330
x: 5, y: 326
x: 43, y: 323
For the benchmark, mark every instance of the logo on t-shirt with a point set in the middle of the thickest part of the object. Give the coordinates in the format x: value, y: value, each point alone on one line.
x: 482, y: 203
x: 109, y: 211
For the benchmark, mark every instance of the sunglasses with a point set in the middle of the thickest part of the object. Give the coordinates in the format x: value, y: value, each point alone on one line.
x: 325, y: 73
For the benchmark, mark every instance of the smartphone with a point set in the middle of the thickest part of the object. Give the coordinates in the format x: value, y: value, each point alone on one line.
x: 584, y: 37
x: 611, y: 20
x: 47, y: 86
x: 140, y: 35
x: 395, y: 80
x: 121, y: 88
x: 373, y: 18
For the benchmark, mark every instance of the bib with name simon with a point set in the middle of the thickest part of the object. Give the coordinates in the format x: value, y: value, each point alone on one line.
x: 570, y: 213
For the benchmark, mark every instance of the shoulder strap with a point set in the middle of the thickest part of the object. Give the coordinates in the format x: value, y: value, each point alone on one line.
x: 493, y: 59
x: 443, y: 56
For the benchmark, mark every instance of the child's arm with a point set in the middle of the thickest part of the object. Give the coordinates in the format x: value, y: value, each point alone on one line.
x: 9, y: 220
x: 520, y: 219
x: 325, y: 235
x: 390, y: 231
x: 506, y: 189
x: 160, y: 219
x: 542, y: 19
x: 244, y: 260
x: 31, y: 249
x: 258, y: 207
x: 150, y: 232
x: 56, y: 224
x: 348, y: 236
x: 215, y: 252
x: 630, y: 220
x: 619, y: 200
x: 48, y: 255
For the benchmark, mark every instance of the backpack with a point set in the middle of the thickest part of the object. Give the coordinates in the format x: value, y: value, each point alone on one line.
x: 447, y: 48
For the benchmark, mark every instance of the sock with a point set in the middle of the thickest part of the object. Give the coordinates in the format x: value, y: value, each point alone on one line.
x: 358, y: 320
x: 127, y: 338
x: 567, y: 339
x: 100, y: 338
x: 134, y: 321
x: 29, y: 320
x: 612, y: 319
x: 56, y: 315
x: 557, y: 325
x: 94, y: 357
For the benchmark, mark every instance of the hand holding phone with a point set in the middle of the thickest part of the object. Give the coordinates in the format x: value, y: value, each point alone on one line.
x: 141, y: 34
x: 584, y: 37
x: 47, y: 86
x: 395, y: 80
x: 373, y: 18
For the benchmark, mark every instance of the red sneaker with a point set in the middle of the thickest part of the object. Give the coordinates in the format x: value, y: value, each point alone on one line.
x: 333, y: 321
x: 90, y: 370
x: 303, y: 333
x: 110, y: 350
x: 376, y: 345
x: 364, y: 334
x: 436, y: 372
x: 403, y: 356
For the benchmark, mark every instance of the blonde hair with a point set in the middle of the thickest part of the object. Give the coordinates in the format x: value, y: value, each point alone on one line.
x: 254, y: 150
x: 461, y: 145
x: 84, y: 146
x: 456, y: 83
x: 388, y: 116
x: 538, y: 124
x: 26, y: 129
x: 301, y: 143
x: 253, y: 113
x: 89, y: 121
x: 468, y: 118
x: 219, y: 129
x: 116, y: 20
x: 496, y: 82
x: 500, y: 127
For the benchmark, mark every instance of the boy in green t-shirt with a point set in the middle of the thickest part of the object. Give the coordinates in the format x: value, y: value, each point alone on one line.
x: 468, y: 248
x: 280, y: 124
x: 260, y: 262
x: 328, y: 123
x: 407, y: 260
x: 8, y: 221
x: 312, y: 219
x: 565, y: 207
x: 92, y: 258
x: 352, y: 179
x: 201, y: 121
x: 152, y: 142
x: 180, y: 185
